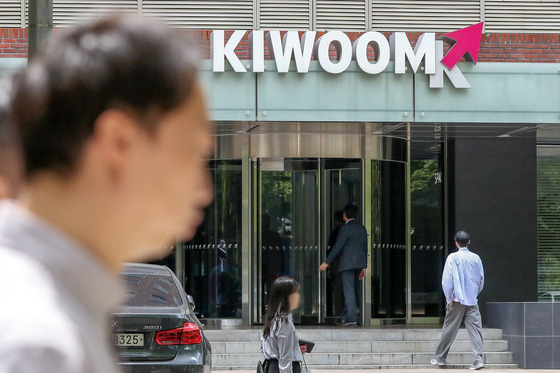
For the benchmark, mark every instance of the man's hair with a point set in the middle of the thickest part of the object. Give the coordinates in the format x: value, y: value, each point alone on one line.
x: 351, y: 211
x: 462, y: 238
x: 266, y: 220
x: 339, y: 216
x: 127, y: 62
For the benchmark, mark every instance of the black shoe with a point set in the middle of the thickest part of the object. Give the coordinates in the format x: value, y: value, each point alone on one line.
x: 339, y: 321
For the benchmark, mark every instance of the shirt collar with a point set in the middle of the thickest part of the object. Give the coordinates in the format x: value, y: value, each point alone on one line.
x: 91, y: 282
x: 349, y: 220
x: 464, y: 248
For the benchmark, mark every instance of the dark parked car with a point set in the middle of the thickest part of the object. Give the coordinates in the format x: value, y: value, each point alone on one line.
x: 156, y: 329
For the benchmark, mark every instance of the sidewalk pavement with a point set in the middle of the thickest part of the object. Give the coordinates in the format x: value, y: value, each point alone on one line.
x: 411, y: 370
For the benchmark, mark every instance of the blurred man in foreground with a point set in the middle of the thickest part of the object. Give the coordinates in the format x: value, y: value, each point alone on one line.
x: 10, y: 160
x: 115, y: 136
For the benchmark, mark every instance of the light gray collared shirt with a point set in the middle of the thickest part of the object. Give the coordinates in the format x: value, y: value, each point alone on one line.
x: 282, y: 344
x: 463, y: 277
x: 56, y: 297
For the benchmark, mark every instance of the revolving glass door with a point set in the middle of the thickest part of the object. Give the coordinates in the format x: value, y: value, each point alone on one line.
x: 295, y: 200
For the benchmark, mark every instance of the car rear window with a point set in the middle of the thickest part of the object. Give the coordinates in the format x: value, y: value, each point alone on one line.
x: 151, y: 290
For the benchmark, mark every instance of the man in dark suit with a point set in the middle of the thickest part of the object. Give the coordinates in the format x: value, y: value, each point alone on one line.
x: 351, y: 250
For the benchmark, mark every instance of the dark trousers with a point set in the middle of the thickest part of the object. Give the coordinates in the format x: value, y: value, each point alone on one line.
x: 273, y: 367
x: 335, y: 298
x: 350, y: 281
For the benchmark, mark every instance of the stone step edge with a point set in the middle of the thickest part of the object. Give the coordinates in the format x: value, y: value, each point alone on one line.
x: 366, y: 352
x: 357, y: 367
x: 373, y: 353
x: 346, y: 330
x: 337, y: 328
x: 366, y: 340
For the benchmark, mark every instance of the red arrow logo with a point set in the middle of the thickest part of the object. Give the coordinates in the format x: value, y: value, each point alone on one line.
x: 466, y: 42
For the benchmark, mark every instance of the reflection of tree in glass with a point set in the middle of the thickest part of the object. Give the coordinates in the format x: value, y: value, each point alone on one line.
x: 422, y: 177
x: 426, y: 204
x: 277, y: 197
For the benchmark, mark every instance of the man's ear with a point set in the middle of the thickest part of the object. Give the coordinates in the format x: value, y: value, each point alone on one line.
x: 113, y: 138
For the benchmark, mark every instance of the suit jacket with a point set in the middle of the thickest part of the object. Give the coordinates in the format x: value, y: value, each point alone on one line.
x: 351, y: 247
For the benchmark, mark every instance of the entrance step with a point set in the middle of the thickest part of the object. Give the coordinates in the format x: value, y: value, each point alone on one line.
x: 363, y: 347
x: 360, y: 348
x: 348, y: 334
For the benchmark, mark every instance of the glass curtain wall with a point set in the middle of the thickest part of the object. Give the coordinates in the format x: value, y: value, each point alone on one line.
x: 548, y: 226
x: 212, y: 259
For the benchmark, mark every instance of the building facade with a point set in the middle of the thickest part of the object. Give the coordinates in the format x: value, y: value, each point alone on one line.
x: 365, y: 112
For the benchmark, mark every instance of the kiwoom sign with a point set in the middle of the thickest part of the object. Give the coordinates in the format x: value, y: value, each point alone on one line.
x: 465, y: 43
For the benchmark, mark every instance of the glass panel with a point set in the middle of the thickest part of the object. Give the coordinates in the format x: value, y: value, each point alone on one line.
x: 275, y: 229
x: 288, y: 231
x: 388, y: 239
x: 548, y: 213
x: 145, y: 290
x: 343, y: 186
x: 212, y: 259
x: 428, y: 253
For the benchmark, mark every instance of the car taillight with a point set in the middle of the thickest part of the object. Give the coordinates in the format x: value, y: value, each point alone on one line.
x: 189, y: 334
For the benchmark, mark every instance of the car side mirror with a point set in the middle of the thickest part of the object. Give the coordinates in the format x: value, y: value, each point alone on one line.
x: 190, y: 299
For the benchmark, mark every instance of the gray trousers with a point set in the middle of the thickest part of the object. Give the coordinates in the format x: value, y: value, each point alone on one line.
x: 456, y: 314
x: 350, y: 280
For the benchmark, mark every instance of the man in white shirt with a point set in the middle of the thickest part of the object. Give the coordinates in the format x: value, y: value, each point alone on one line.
x: 462, y: 281
x: 115, y: 139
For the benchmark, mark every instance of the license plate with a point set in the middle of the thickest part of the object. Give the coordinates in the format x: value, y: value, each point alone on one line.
x: 129, y: 339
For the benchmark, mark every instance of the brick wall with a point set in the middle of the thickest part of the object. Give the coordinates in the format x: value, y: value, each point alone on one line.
x: 493, y: 48
x: 520, y: 48
x: 13, y: 42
